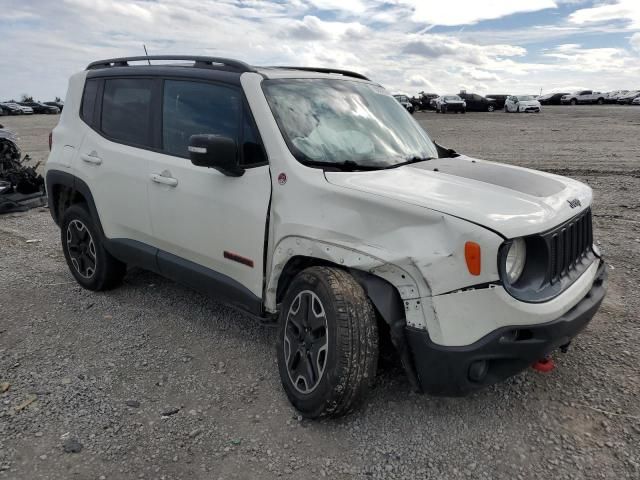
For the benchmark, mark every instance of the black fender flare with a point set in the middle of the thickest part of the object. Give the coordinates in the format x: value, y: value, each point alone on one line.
x: 56, y: 178
x: 386, y: 298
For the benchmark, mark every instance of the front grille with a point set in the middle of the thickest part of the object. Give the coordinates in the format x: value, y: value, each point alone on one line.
x: 568, y: 244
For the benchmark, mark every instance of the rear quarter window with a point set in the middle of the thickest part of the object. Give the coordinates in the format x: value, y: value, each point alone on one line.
x: 88, y: 105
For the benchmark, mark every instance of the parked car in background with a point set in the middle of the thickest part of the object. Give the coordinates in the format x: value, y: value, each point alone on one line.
x: 450, y: 103
x: 12, y: 108
x: 629, y: 97
x: 551, y: 98
x: 23, y: 108
x: 405, y: 102
x: 612, y: 97
x: 60, y: 105
x: 583, y: 96
x: 522, y: 103
x: 40, y: 107
x: 499, y: 98
x: 636, y: 101
x: 478, y: 103
x: 426, y: 100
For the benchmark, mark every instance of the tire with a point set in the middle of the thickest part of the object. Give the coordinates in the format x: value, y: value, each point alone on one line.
x: 345, y: 338
x: 600, y: 101
x: 90, y: 264
x: 463, y: 111
x: 573, y: 101
x: 491, y: 108
x: 444, y: 109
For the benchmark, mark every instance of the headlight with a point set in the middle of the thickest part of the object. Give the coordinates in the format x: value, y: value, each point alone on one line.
x: 516, y: 258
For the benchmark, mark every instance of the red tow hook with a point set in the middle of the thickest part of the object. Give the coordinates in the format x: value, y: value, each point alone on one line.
x: 545, y: 365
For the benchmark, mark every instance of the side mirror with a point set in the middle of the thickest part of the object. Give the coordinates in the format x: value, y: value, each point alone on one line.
x: 215, y: 151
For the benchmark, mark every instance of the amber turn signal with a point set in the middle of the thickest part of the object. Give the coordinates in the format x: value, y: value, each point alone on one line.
x: 472, y: 257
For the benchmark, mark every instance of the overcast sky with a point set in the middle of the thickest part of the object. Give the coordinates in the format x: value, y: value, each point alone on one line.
x: 493, y: 46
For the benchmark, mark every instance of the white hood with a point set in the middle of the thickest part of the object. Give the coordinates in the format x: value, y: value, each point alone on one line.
x: 529, y: 103
x: 510, y: 200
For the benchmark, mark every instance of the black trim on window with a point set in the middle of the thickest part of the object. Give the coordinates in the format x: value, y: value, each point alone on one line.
x: 246, y: 114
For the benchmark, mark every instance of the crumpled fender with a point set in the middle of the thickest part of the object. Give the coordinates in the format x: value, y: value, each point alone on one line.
x: 403, y: 274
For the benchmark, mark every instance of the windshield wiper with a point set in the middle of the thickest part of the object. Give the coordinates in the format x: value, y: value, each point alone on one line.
x: 346, y: 166
x: 409, y: 161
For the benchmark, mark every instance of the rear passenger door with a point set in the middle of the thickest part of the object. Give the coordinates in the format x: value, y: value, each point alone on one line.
x: 115, y: 150
x: 201, y: 217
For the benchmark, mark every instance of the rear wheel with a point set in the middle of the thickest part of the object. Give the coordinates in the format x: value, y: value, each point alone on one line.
x: 491, y: 108
x: 91, y: 265
x: 327, y: 343
x: 600, y: 101
x: 573, y: 101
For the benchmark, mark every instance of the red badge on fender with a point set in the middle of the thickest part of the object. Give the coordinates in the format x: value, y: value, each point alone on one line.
x: 282, y: 178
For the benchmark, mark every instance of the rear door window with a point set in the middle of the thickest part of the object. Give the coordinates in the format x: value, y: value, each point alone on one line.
x: 192, y: 108
x: 126, y: 111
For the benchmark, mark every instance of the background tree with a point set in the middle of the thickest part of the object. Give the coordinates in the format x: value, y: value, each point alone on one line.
x: 26, y: 98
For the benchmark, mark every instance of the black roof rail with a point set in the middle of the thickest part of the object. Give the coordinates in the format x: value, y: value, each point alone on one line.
x: 199, y: 61
x: 346, y: 73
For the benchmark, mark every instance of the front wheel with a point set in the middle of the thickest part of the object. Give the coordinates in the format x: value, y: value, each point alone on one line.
x: 574, y: 101
x: 327, y: 343
x: 490, y: 108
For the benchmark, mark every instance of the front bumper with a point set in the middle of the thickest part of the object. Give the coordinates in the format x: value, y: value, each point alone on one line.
x: 459, y: 370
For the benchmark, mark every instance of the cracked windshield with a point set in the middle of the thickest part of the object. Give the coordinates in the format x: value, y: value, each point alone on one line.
x: 338, y: 122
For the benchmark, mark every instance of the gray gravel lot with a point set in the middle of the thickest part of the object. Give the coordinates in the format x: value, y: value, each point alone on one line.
x: 153, y: 380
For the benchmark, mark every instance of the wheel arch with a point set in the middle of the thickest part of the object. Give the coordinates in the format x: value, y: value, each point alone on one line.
x: 384, y: 296
x: 64, y: 190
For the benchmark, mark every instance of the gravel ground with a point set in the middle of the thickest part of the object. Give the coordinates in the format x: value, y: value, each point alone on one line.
x: 153, y: 380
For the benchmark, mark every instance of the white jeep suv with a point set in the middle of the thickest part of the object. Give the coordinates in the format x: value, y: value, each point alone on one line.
x: 311, y: 198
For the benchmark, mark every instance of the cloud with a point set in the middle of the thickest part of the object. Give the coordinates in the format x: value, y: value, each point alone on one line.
x: 465, y: 12
x: 627, y: 11
x: 376, y: 37
x: 419, y: 82
x: 635, y: 41
x: 309, y: 28
x: 575, y: 58
x: 434, y: 46
x: 313, y: 28
x: 481, y: 75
